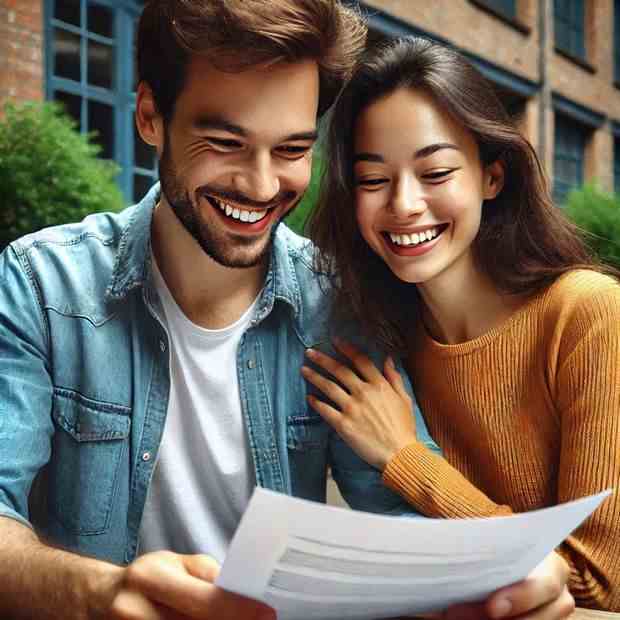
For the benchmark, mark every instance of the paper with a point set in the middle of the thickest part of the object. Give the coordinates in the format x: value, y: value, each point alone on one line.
x: 309, y: 560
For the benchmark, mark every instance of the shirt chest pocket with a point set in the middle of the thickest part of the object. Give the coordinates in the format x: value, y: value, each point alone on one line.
x: 89, y: 448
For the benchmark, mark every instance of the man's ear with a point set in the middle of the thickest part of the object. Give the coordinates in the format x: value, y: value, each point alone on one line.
x: 493, y: 179
x: 148, y: 120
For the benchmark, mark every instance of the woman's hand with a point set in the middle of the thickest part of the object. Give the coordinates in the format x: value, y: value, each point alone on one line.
x: 542, y: 595
x: 374, y: 413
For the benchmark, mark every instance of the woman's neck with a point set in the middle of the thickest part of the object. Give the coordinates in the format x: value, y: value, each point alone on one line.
x: 463, y: 304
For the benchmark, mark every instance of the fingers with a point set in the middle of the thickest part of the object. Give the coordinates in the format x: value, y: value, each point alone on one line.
x: 331, y: 389
x: 339, y: 371
x: 332, y: 416
x: 201, y: 566
x: 362, y: 363
x: 542, y: 588
x: 394, y: 377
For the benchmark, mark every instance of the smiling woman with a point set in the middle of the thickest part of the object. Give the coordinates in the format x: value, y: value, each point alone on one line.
x: 437, y: 222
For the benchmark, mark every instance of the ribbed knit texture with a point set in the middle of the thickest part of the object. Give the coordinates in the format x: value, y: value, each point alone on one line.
x: 527, y: 416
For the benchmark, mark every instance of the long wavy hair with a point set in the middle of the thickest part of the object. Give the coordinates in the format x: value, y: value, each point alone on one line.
x: 524, y: 242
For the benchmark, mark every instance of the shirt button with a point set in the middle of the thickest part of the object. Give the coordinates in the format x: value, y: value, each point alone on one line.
x: 251, y: 364
x: 146, y: 456
x: 162, y: 346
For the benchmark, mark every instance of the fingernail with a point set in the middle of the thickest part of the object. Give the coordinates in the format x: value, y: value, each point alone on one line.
x: 390, y: 361
x: 501, y: 608
x: 310, y: 352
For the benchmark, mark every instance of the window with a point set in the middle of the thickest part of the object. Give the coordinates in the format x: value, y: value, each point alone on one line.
x: 617, y: 165
x: 617, y: 41
x: 569, y: 27
x: 506, y: 7
x: 88, y: 43
x: 568, y: 160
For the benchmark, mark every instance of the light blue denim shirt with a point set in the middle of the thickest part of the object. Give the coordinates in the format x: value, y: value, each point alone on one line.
x: 84, y: 383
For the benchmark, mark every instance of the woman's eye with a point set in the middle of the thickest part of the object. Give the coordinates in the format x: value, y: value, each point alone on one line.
x: 371, y: 182
x: 439, y: 174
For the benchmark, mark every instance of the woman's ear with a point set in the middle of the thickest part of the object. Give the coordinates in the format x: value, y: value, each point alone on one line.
x: 493, y: 179
x: 148, y: 120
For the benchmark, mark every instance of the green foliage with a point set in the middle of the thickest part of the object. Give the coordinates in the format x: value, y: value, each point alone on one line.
x: 298, y: 218
x: 49, y: 172
x: 598, y: 213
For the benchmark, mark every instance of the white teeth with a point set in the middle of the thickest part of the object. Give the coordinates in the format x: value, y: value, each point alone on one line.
x: 241, y: 214
x: 414, y: 238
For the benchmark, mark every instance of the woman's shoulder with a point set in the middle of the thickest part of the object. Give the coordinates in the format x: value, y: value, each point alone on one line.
x: 581, y: 293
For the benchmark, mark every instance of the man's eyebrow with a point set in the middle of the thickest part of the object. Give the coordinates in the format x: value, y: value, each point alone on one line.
x: 218, y: 122
x: 423, y: 152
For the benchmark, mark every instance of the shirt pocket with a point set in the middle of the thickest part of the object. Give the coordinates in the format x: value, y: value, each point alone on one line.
x: 89, y: 446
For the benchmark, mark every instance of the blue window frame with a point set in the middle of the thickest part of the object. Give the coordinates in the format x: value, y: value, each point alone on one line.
x: 569, y: 155
x: 617, y: 41
x: 569, y: 20
x: 88, y: 44
x: 617, y: 165
x: 505, y: 7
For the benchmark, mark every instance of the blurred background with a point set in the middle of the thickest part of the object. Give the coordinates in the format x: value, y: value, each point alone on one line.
x: 554, y: 63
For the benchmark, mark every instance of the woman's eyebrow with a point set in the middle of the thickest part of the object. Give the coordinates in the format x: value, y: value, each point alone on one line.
x: 425, y: 151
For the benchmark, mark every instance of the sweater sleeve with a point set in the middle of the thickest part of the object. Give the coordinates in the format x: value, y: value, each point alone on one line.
x: 588, y: 401
x: 428, y: 482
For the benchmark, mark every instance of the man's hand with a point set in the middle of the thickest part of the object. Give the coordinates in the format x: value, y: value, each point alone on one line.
x: 543, y: 595
x: 168, y: 586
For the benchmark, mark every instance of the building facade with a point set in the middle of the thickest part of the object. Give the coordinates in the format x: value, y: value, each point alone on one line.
x: 554, y: 63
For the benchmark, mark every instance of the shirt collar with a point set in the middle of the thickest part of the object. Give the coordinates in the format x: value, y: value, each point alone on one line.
x: 132, y: 264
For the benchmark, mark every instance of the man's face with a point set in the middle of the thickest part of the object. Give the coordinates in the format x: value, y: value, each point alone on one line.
x: 237, y: 155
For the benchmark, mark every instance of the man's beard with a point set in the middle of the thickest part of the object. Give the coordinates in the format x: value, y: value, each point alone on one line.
x: 227, y: 249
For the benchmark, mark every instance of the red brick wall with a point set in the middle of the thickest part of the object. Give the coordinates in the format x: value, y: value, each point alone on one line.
x: 21, y: 52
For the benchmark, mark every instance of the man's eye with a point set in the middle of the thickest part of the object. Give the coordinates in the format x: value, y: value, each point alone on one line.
x: 293, y: 151
x: 225, y: 144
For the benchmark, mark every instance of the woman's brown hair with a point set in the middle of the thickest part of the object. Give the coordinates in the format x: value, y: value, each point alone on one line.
x: 524, y: 242
x: 238, y: 34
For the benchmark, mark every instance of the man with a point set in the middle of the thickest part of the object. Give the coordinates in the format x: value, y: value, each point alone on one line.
x: 149, y: 374
x: 150, y: 368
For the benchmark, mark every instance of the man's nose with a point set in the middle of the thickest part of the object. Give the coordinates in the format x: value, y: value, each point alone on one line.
x: 258, y: 180
x: 408, y: 198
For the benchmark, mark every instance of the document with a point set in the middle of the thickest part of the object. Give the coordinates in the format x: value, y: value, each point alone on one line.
x: 308, y: 560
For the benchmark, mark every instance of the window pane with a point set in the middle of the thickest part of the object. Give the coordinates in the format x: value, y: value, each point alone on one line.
x: 68, y: 11
x: 67, y: 55
x: 72, y: 105
x: 101, y: 120
x: 141, y: 185
x: 100, y: 64
x: 134, y: 55
x: 100, y: 20
x: 144, y: 154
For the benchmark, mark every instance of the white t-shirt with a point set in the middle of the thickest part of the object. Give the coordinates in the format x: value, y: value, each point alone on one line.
x: 204, y: 475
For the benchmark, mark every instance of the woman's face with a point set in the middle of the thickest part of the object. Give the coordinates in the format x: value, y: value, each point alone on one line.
x: 419, y: 187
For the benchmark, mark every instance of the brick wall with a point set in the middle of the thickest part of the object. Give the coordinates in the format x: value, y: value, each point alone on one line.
x: 21, y: 54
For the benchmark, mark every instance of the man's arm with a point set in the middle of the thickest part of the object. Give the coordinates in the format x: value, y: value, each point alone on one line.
x: 41, y: 582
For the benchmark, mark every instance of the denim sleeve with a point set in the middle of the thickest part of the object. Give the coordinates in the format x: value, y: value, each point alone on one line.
x: 360, y: 484
x: 25, y: 385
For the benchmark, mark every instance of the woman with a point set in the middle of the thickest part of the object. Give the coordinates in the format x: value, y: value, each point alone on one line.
x: 447, y: 247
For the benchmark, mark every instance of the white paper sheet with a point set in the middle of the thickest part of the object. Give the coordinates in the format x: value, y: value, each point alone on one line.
x: 309, y: 560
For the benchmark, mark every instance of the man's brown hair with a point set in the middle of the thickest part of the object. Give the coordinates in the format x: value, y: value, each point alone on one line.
x: 240, y: 34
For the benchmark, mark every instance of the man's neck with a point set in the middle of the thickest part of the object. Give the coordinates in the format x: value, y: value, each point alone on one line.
x: 209, y: 294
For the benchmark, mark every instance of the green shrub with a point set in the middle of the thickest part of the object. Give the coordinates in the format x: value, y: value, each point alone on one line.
x: 49, y: 172
x: 298, y: 218
x: 598, y: 213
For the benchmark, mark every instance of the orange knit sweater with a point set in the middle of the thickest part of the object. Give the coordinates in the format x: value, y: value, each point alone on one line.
x: 528, y: 415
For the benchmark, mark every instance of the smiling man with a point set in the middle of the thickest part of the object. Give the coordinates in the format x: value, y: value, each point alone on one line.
x: 150, y: 360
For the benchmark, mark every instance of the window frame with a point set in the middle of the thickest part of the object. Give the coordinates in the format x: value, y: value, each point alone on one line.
x: 120, y: 96
x: 571, y: 14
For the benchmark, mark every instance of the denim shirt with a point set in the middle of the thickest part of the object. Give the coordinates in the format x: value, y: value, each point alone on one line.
x: 84, y: 384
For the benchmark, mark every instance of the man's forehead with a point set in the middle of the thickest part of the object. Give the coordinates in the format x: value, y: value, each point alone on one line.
x: 282, y: 99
